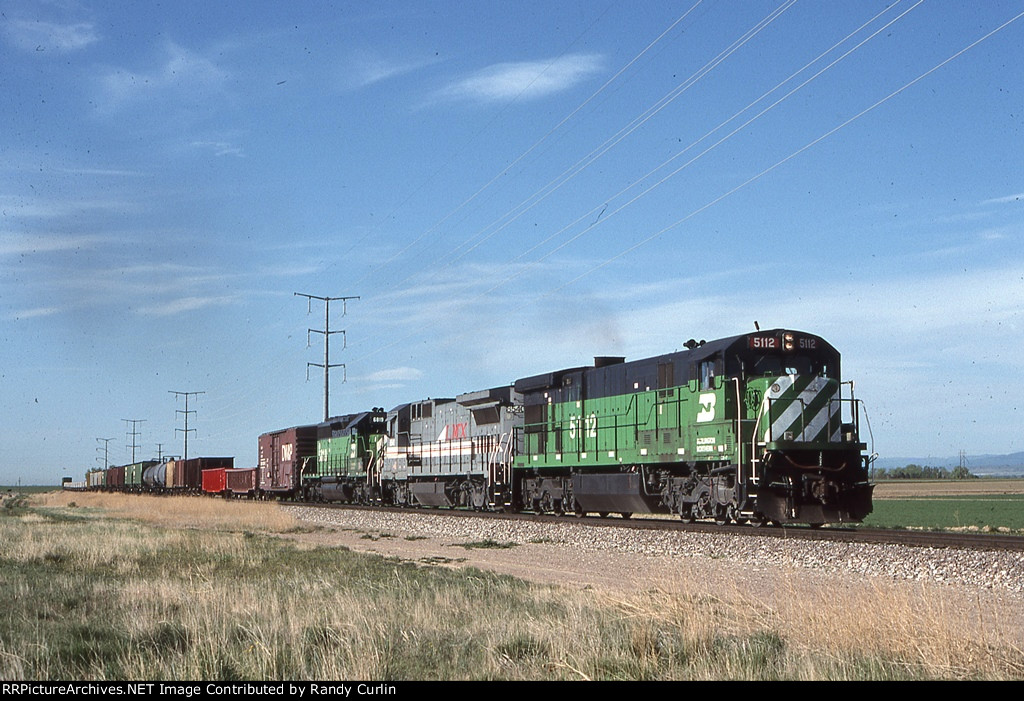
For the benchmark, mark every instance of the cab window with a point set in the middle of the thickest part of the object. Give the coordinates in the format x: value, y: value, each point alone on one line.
x: 707, y: 374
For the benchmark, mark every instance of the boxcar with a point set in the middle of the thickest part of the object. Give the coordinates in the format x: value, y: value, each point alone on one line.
x: 214, y: 481
x: 187, y: 475
x: 133, y: 474
x: 241, y: 481
x: 96, y: 479
x: 284, y: 455
x: 115, y: 478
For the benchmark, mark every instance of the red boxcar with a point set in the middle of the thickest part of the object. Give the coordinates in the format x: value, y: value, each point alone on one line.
x: 283, y: 455
x: 214, y: 481
x: 241, y: 481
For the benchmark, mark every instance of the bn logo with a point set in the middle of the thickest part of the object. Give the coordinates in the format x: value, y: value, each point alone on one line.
x: 707, y: 407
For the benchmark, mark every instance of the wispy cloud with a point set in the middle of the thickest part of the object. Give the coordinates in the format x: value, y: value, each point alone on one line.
x: 395, y: 375
x: 181, y: 73
x: 1019, y: 197
x: 526, y: 79
x: 182, y: 305
x: 101, y: 172
x: 34, y: 313
x: 219, y: 148
x: 40, y: 37
x: 45, y: 208
x: 24, y: 244
x: 367, y: 69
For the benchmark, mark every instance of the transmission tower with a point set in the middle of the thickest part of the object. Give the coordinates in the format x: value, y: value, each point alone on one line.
x: 106, y: 451
x: 134, y: 435
x: 185, y: 430
x: 326, y: 331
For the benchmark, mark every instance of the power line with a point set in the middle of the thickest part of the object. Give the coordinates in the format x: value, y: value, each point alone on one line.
x: 789, y: 157
x: 611, y: 142
x: 651, y: 188
x: 371, y: 272
x: 751, y: 179
x: 598, y: 152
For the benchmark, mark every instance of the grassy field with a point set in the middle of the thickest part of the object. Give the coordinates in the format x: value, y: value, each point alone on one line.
x: 985, y: 505
x: 118, y: 587
x: 34, y: 489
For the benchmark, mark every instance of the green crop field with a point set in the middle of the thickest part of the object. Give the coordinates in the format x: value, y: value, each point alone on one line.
x: 997, y: 512
x: 34, y: 489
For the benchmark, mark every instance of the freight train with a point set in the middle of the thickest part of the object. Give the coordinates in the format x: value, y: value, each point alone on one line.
x: 756, y: 428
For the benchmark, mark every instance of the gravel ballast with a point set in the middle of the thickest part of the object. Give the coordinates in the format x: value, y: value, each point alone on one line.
x: 405, y: 534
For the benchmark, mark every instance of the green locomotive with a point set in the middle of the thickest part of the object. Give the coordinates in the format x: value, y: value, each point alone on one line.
x: 349, y: 452
x: 753, y: 428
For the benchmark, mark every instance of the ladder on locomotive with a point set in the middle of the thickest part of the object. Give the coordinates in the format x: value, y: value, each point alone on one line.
x: 500, y: 460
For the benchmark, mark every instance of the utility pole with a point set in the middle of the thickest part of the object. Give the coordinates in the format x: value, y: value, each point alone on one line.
x: 134, y: 434
x: 186, y: 413
x: 106, y: 451
x: 327, y: 342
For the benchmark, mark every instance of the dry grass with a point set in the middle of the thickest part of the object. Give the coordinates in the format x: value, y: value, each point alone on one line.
x: 894, y: 629
x: 180, y: 511
x: 97, y: 597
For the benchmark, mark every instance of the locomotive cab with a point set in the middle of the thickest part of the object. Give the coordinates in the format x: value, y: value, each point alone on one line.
x: 801, y: 435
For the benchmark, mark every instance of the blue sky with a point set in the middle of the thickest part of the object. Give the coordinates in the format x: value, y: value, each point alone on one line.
x: 509, y: 188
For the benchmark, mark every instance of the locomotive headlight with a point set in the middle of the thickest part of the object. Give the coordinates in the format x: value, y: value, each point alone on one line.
x: 787, y: 341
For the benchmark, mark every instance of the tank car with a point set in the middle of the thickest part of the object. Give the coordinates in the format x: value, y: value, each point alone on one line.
x: 154, y: 477
x: 751, y: 428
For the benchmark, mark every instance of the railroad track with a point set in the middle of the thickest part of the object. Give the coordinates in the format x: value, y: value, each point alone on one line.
x: 920, y: 539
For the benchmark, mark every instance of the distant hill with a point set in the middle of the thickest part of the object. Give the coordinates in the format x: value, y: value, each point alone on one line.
x: 1011, y: 465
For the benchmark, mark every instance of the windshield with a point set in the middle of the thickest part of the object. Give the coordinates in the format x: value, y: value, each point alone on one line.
x: 788, y: 365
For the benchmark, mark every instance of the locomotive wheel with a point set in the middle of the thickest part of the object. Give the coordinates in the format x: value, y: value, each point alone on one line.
x: 578, y: 510
x: 478, y: 497
x: 546, y: 503
x: 603, y: 514
x: 626, y: 515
